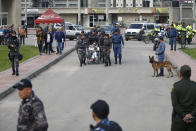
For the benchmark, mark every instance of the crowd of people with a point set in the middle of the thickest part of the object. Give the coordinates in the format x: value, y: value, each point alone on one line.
x: 45, y: 38
x: 96, y: 46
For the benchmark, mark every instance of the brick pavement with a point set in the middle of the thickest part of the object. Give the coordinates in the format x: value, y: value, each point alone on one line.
x: 180, y: 58
x: 28, y: 67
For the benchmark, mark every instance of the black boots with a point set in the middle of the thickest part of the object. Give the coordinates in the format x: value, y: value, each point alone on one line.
x: 115, y: 60
x: 109, y: 62
x: 17, y: 74
x: 161, y: 72
x: 120, y: 61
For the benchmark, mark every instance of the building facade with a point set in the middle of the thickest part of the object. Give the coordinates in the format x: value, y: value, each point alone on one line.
x: 96, y: 12
x: 10, y: 12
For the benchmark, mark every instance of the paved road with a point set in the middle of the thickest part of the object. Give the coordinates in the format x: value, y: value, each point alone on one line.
x: 138, y: 101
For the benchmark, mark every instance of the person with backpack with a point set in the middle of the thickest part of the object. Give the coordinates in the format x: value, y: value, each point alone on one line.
x: 22, y: 34
x: 100, y: 112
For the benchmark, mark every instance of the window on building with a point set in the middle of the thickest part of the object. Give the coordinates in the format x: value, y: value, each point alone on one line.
x: 146, y: 3
x: 137, y: 19
x: 3, y: 19
x: 144, y: 19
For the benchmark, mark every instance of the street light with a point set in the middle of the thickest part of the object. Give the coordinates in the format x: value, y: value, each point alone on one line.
x: 26, y: 11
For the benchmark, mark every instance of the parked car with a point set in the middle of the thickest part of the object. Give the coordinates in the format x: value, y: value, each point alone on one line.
x: 107, y: 29
x: 74, y: 31
x: 132, y: 32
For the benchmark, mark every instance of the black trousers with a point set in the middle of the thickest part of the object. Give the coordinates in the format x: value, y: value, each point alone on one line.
x: 48, y: 47
x: 15, y: 63
x: 22, y: 40
x: 179, y: 125
x: 40, y: 46
x: 1, y: 40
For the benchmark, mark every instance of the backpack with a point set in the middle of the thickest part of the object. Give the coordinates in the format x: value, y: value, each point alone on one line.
x: 22, y: 32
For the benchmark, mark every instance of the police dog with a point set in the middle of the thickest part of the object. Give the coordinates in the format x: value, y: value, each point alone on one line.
x: 157, y: 65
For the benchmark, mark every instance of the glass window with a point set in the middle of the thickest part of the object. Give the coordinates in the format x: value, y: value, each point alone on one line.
x: 150, y: 26
x: 79, y: 27
x: 4, y: 19
x: 135, y: 26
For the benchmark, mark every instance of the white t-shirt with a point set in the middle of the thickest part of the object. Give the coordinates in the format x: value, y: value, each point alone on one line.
x: 48, y: 38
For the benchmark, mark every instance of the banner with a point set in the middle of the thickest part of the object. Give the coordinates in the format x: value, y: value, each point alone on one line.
x: 96, y: 11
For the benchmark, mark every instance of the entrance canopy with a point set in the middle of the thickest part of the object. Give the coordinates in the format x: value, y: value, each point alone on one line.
x: 49, y: 17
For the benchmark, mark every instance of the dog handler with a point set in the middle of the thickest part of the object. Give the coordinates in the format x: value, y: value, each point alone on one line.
x: 161, y: 54
x: 183, y: 96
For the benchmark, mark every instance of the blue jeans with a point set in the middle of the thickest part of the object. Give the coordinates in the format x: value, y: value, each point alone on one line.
x: 59, y: 47
x: 117, y: 50
x: 172, y: 42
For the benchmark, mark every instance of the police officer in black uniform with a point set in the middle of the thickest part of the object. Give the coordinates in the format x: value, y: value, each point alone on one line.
x: 13, y: 45
x: 183, y: 97
x: 107, y: 47
x: 101, y: 36
x: 81, y: 47
x: 32, y: 116
x: 100, y: 112
x: 93, y: 38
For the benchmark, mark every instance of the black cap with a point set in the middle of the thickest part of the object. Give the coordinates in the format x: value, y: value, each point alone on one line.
x: 101, y: 109
x: 172, y: 25
x: 24, y: 83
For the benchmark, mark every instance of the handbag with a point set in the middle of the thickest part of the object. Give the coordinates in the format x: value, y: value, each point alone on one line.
x: 20, y: 56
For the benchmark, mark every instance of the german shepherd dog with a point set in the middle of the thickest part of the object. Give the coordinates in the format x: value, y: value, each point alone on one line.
x: 157, y: 65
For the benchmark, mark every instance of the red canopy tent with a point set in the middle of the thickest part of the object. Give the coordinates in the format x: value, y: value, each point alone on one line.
x: 49, y: 17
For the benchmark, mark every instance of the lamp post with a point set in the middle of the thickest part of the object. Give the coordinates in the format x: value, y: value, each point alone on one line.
x: 193, y: 14
x: 107, y: 15
x: 26, y: 11
x: 79, y: 13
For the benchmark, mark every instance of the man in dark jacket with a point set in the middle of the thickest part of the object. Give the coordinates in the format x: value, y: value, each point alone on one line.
x: 183, y: 98
x: 172, y: 37
x: 48, y: 40
x: 81, y: 49
x: 118, y: 43
x: 101, y: 36
x: 107, y: 47
x: 13, y: 45
x: 60, y: 38
x: 100, y: 112
x: 93, y: 38
x: 32, y: 116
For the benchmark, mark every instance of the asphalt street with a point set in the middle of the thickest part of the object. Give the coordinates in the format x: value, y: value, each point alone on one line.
x: 138, y: 101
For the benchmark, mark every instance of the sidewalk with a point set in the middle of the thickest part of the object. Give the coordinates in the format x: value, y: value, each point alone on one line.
x: 179, y: 58
x: 30, y: 69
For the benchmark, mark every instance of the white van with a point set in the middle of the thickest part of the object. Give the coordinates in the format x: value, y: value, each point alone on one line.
x: 132, y: 32
x: 73, y: 31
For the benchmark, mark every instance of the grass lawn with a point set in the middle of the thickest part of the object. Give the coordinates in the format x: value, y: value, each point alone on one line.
x: 190, y: 52
x: 26, y: 51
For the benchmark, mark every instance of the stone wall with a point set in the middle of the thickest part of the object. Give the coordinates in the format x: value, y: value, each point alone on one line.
x: 13, y: 7
x: 70, y: 18
x: 130, y: 18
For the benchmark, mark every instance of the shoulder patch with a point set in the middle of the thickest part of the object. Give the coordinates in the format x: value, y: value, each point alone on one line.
x: 40, y: 115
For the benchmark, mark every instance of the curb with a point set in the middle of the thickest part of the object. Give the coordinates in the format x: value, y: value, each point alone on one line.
x: 36, y: 73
